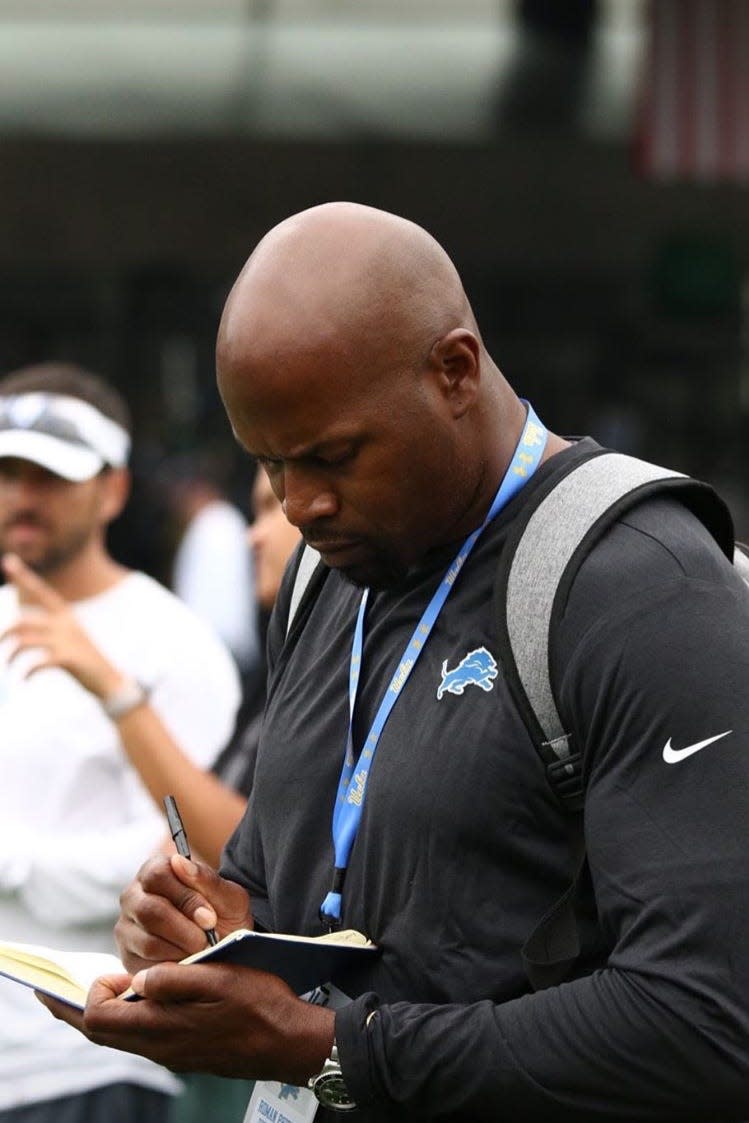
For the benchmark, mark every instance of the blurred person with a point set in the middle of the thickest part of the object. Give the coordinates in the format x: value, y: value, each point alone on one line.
x: 273, y: 540
x: 212, y: 569
x: 112, y: 693
x: 398, y: 789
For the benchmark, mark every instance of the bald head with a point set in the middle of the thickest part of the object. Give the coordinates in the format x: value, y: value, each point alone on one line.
x: 351, y: 366
x: 346, y: 277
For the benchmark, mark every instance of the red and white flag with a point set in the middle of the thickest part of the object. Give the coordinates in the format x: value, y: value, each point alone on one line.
x: 694, y: 121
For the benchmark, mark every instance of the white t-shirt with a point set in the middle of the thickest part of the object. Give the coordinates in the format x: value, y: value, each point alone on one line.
x: 213, y: 573
x: 75, y: 820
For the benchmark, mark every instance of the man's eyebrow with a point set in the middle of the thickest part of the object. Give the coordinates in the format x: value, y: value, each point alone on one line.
x: 255, y: 456
x: 316, y: 448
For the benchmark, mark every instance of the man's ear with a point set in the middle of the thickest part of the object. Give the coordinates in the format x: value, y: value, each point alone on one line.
x: 455, y: 358
x: 115, y: 483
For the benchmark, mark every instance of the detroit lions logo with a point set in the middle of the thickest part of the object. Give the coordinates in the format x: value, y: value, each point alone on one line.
x: 477, y: 668
x: 288, y: 1092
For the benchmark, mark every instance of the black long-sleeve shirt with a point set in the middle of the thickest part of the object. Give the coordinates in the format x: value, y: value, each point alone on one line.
x: 462, y: 847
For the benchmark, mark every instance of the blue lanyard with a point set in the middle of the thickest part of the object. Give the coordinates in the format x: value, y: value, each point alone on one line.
x: 352, y: 785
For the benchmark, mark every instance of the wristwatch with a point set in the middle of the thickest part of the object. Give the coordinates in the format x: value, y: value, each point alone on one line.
x: 128, y: 695
x: 330, y: 1087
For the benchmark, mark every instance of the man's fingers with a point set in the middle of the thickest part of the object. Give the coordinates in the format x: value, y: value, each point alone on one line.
x: 25, y: 636
x: 107, y: 1019
x: 192, y: 902
x: 169, y: 983
x: 183, y: 890
x: 108, y: 986
x: 25, y: 633
x: 151, y: 929
x: 166, y: 910
x: 30, y: 584
x: 215, y: 902
x: 102, y: 989
x: 63, y: 1011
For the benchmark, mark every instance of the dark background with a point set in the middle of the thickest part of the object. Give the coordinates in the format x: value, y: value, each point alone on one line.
x: 615, y: 301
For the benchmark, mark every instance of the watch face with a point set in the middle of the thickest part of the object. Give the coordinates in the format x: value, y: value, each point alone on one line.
x: 332, y: 1092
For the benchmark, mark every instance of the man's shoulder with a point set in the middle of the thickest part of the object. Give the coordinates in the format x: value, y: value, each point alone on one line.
x: 641, y: 514
x: 661, y: 534
x: 657, y: 549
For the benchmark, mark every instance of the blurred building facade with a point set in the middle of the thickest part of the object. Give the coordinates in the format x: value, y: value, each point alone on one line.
x: 144, y: 151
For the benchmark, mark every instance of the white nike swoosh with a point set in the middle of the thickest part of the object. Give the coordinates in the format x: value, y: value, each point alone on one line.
x: 673, y: 756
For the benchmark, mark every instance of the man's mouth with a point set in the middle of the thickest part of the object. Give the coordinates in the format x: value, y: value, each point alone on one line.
x: 335, y: 548
x: 23, y: 528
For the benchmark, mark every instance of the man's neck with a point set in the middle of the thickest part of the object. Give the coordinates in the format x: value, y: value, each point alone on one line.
x: 554, y: 444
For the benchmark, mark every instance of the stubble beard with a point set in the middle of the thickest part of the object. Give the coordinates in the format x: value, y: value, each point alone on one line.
x: 57, y: 555
x: 382, y: 571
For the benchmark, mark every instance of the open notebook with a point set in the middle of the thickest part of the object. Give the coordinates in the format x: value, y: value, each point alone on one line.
x: 304, y: 962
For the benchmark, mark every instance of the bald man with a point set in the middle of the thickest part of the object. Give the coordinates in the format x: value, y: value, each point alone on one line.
x: 393, y: 796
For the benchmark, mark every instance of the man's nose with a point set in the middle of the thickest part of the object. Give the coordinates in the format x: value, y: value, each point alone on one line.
x: 306, y: 498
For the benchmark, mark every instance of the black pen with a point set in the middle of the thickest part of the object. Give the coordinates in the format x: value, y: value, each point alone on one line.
x: 177, y: 827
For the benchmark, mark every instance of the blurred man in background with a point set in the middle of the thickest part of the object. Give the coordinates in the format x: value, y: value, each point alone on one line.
x: 111, y: 693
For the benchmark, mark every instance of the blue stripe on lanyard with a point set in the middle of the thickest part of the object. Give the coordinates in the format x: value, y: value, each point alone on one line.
x: 352, y: 785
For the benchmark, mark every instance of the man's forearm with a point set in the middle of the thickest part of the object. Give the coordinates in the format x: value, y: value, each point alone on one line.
x: 603, y: 1046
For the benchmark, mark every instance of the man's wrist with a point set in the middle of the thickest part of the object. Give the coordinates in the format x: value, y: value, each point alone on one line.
x: 126, y: 696
x: 357, y: 1025
x: 318, y: 1039
x: 329, y: 1084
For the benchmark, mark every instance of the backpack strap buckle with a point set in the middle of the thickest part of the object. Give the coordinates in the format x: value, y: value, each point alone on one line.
x: 564, y: 772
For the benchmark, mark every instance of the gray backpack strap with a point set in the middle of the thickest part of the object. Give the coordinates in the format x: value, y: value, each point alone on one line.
x: 561, y: 522
x: 308, y: 563
x: 557, y: 523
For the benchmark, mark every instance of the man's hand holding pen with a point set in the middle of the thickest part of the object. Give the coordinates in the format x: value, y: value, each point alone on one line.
x: 168, y: 908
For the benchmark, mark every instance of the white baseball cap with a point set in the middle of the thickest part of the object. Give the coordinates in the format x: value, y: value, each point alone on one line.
x: 65, y: 435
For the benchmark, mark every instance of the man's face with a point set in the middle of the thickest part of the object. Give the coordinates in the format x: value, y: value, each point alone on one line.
x: 45, y: 519
x: 368, y: 468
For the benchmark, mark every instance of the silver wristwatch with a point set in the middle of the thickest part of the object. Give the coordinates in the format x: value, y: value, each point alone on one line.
x: 128, y: 695
x: 330, y: 1087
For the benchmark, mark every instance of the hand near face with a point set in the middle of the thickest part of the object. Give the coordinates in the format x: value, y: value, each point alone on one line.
x: 51, y: 628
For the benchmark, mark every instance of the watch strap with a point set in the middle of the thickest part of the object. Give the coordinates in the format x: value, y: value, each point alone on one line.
x: 125, y: 698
